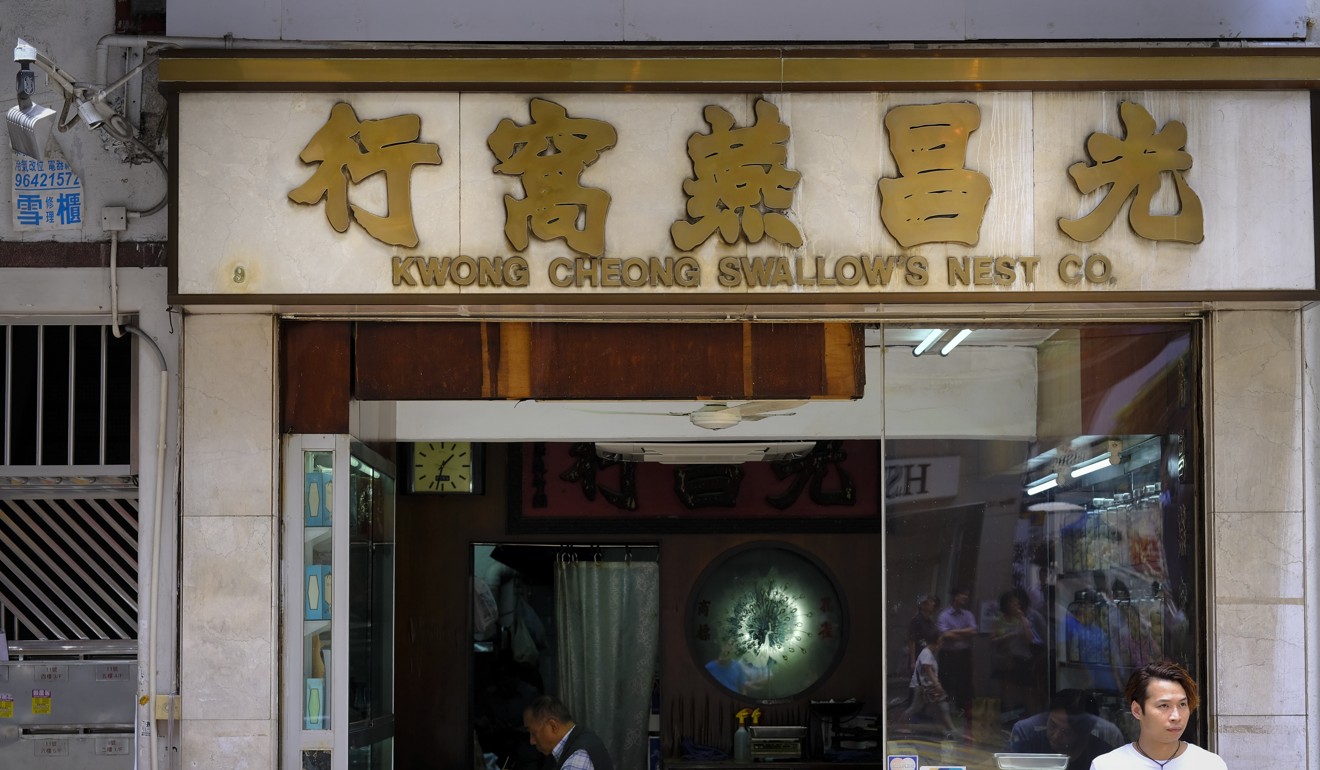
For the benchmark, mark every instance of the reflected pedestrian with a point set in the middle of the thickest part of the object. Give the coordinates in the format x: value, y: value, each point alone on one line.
x: 920, y: 628
x: 958, y: 628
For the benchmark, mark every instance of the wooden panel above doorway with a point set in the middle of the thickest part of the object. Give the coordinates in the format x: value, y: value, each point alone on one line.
x: 315, y: 376
x: 678, y: 361
x: 402, y: 361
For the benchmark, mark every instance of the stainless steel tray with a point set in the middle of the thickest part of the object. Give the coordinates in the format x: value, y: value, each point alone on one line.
x: 1031, y: 761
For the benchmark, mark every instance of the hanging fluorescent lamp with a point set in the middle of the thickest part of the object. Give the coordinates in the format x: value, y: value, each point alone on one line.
x: 1093, y: 465
x: 1040, y: 485
x: 953, y: 343
x: 930, y: 340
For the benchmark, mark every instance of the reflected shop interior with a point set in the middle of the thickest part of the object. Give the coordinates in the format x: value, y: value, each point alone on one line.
x: 1022, y: 509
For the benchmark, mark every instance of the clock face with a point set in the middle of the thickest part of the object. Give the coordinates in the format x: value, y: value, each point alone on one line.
x: 766, y: 622
x: 446, y: 467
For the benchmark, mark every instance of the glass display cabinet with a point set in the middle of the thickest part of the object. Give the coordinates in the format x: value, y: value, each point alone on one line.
x: 338, y: 605
x: 1119, y: 570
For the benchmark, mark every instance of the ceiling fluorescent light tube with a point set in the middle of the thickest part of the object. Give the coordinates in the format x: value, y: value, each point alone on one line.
x: 953, y: 343
x: 931, y: 339
x: 1090, y: 466
x: 1040, y: 485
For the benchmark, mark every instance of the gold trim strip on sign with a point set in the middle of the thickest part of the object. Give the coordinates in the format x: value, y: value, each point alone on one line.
x: 1081, y: 69
x: 1238, y: 68
x: 1287, y: 298
x: 494, y: 71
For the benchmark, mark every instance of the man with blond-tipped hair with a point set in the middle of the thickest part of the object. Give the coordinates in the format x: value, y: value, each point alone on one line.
x: 1162, y: 697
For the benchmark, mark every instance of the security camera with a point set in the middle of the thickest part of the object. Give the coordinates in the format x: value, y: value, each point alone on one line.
x: 26, y: 56
x: 90, y: 113
x: 25, y: 53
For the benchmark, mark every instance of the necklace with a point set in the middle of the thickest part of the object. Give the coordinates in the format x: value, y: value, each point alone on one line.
x: 1143, y: 753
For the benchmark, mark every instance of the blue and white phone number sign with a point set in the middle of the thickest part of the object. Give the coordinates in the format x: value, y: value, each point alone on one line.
x: 48, y: 195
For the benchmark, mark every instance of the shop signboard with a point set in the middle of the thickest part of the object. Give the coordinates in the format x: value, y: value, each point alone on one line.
x: 563, y: 486
x: 434, y: 198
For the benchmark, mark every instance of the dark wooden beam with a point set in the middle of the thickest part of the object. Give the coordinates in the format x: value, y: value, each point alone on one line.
x: 678, y: 361
x: 315, y: 376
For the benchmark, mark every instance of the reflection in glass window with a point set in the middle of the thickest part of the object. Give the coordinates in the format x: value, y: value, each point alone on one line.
x: 1042, y: 533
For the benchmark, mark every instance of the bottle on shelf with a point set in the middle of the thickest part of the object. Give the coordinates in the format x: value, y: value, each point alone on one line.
x: 1125, y: 626
x: 1157, y: 614
x: 742, y: 739
x: 1076, y: 629
x: 1101, y: 646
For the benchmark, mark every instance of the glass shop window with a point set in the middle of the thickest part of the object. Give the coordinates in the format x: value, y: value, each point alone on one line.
x: 1043, y: 534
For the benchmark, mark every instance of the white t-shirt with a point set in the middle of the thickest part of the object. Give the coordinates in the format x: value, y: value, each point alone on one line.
x: 924, y: 658
x: 1126, y: 757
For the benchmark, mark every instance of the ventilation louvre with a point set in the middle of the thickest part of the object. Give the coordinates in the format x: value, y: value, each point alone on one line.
x: 70, y: 569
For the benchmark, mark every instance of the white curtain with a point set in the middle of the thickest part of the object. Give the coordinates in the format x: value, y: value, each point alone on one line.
x: 608, y: 618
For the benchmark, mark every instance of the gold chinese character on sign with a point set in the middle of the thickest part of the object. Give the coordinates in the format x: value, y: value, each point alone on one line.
x: 550, y: 153
x: 349, y: 149
x: 934, y: 199
x: 740, y: 183
x: 1134, y: 164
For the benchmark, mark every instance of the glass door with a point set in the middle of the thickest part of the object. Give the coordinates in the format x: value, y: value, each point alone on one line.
x: 371, y: 611
x: 338, y: 605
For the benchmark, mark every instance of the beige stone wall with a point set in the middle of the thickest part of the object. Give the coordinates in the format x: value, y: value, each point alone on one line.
x: 230, y: 645
x: 1262, y: 431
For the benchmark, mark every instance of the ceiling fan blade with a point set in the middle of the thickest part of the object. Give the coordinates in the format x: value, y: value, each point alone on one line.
x: 755, y: 417
x: 641, y: 414
x: 752, y: 408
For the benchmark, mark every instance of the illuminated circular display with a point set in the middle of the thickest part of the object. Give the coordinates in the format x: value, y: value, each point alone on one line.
x: 766, y: 622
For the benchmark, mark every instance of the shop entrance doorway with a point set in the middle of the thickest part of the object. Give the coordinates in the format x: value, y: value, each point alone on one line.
x: 577, y: 622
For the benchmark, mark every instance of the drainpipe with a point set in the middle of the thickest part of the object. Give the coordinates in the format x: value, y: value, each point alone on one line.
x: 149, y: 565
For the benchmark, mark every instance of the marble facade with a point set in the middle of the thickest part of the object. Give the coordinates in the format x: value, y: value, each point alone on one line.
x: 1261, y: 412
x: 243, y: 240
x: 1262, y: 422
x: 229, y: 641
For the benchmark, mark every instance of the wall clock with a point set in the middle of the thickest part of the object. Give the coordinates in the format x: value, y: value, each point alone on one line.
x: 445, y: 467
x: 766, y: 622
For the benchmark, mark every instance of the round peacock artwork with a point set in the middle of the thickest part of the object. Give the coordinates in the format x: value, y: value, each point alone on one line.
x: 766, y: 622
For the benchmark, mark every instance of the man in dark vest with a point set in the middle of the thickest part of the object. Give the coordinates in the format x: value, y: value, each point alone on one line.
x: 553, y: 733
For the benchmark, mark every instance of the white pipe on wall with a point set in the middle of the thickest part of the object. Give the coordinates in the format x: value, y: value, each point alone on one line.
x: 149, y: 571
